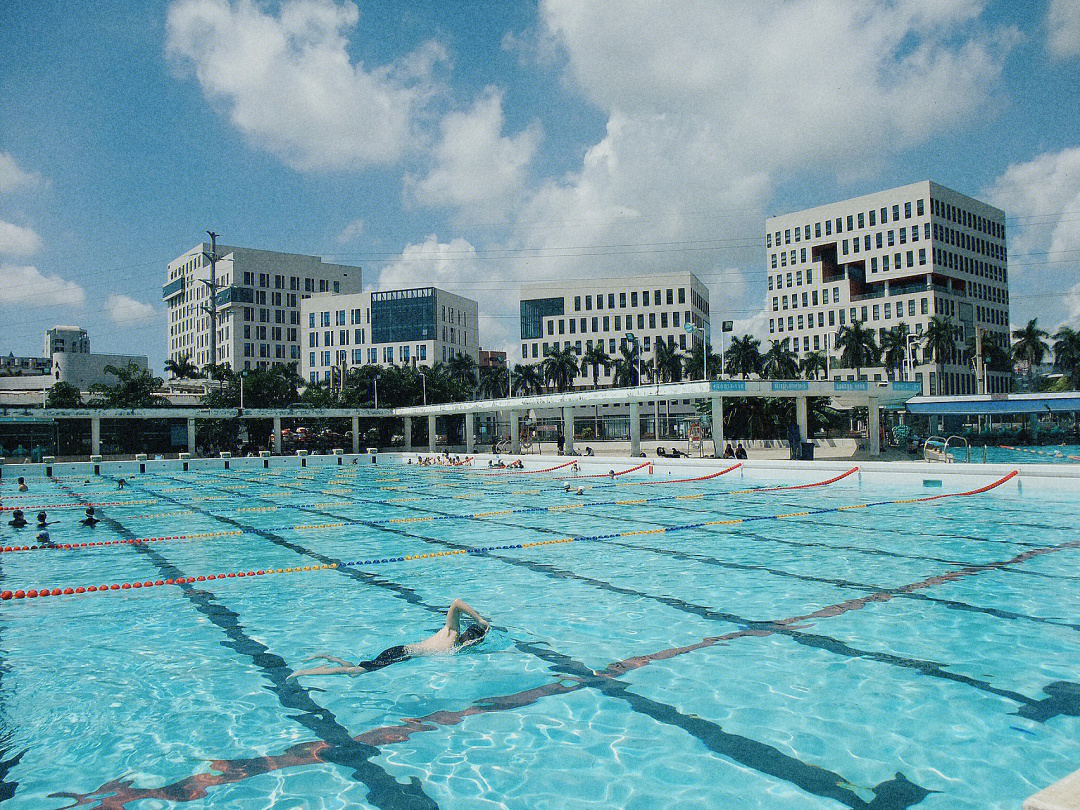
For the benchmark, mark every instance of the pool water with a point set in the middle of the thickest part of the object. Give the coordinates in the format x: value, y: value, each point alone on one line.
x: 919, y: 654
x: 1023, y: 454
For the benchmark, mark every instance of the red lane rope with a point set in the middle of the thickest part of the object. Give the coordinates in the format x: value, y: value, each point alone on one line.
x: 823, y: 483
x: 616, y: 475
x: 133, y: 541
x: 690, y: 480
x: 978, y: 491
x: 530, y: 472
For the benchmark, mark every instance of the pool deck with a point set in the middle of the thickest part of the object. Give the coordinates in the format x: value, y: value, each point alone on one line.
x: 1062, y: 795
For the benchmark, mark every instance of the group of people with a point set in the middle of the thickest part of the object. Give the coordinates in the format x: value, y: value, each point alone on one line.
x: 499, y: 464
x: 445, y: 460
x: 738, y: 452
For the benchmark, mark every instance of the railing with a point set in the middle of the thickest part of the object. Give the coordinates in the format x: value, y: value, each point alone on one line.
x: 958, y: 439
x: 936, y: 448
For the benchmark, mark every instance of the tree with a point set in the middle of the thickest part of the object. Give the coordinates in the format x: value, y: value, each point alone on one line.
x: 63, y: 395
x: 812, y: 365
x: 694, y: 366
x: 1067, y: 354
x: 463, y: 367
x: 893, y: 346
x: 182, y: 368
x: 561, y: 367
x: 135, y: 387
x: 779, y: 363
x: 1029, y: 345
x: 595, y: 357
x: 858, y: 348
x: 625, y: 366
x: 493, y: 382
x: 528, y: 379
x: 668, y: 361
x: 744, y: 356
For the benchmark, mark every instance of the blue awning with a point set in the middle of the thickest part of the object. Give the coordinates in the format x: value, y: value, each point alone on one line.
x: 995, y: 405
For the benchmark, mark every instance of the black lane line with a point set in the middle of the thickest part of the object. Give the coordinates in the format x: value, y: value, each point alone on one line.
x: 816, y: 641
x: 897, y: 793
x: 384, y: 791
x: 705, y: 559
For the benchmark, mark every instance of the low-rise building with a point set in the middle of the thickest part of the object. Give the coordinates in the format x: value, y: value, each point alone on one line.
x: 67, y: 359
x: 419, y: 326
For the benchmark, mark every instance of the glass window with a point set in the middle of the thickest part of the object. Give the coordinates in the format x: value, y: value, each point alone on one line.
x: 907, y: 210
x: 919, y: 207
x: 828, y: 227
x: 817, y: 230
x: 588, y: 303
x: 633, y: 299
x: 577, y: 303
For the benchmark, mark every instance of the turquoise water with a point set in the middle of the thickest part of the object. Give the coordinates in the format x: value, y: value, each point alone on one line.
x: 1044, y: 454
x: 899, y: 655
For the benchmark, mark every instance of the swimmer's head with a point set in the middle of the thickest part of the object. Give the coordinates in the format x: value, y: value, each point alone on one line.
x: 42, y: 517
x: 473, y: 633
x: 89, y: 511
x: 581, y: 490
x: 566, y: 487
x: 43, y: 536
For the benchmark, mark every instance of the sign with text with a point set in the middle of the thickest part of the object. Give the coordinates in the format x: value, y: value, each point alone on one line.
x: 790, y: 385
x: 727, y: 385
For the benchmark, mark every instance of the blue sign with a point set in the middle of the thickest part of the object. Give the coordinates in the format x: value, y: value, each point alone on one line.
x: 727, y: 385
x: 853, y: 385
x: 907, y: 386
x: 789, y: 385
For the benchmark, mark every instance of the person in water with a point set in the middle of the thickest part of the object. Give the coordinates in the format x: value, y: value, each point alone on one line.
x: 22, y: 485
x: 447, y: 640
x: 18, y: 519
x: 90, y: 519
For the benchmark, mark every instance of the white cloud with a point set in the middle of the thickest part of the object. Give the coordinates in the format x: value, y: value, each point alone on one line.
x: 27, y: 286
x: 1063, y: 28
x: 351, y: 231
x: 124, y: 310
x: 16, y: 240
x: 476, y: 166
x: 1072, y: 307
x: 288, y: 83
x: 12, y: 177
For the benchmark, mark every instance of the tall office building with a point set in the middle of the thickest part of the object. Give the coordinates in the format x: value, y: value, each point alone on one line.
x: 258, y: 303
x: 417, y: 327
x: 579, y: 315
x: 895, y: 257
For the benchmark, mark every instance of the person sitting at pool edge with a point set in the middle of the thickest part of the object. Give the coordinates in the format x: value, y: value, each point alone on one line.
x: 448, y: 639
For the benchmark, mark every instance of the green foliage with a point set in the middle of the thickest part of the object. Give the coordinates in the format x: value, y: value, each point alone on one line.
x: 1067, y: 355
x: 626, y: 365
x: 1029, y: 345
x: 893, y: 345
x: 743, y: 356
x: 274, y: 387
x: 63, y: 395
x: 695, y: 362
x: 182, y: 368
x: 134, y: 388
x: 857, y: 346
x: 560, y: 368
x: 813, y: 365
x: 779, y: 363
x: 595, y: 358
x: 528, y: 379
x: 668, y: 361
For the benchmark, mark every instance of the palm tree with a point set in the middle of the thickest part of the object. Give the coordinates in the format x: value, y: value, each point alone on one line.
x: 858, y: 348
x: 463, y: 367
x: 493, y: 382
x: 940, y: 342
x: 626, y: 366
x: 594, y: 358
x: 1067, y: 353
x: 1029, y: 345
x: 561, y: 367
x: 893, y: 346
x: 812, y: 365
x: 528, y: 379
x: 779, y: 363
x: 696, y: 361
x: 182, y: 368
x: 744, y: 356
x: 668, y: 361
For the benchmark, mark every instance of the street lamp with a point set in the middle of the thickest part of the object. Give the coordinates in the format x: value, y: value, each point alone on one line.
x: 725, y: 327
x: 243, y: 374
x: 690, y: 329
x: 423, y: 382
x: 909, y: 360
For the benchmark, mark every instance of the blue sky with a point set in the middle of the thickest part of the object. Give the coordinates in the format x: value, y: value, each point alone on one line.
x: 479, y: 145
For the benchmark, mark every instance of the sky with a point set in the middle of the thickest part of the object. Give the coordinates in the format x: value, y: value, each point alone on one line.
x: 477, y: 145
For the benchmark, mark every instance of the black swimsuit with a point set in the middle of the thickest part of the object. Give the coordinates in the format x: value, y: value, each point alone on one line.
x: 391, y: 655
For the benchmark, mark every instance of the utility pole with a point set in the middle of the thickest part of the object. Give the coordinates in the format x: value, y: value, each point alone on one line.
x: 211, y: 307
x: 980, y: 363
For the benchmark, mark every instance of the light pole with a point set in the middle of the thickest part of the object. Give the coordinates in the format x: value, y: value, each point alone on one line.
x: 423, y: 382
x: 242, y: 375
x: 637, y: 347
x: 725, y: 327
x: 376, y: 384
x: 909, y: 360
x: 691, y: 329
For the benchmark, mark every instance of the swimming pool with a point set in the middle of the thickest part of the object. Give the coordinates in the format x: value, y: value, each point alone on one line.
x: 1022, y: 454
x: 699, y: 644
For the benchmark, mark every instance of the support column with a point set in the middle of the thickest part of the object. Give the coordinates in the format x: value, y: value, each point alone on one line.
x: 95, y: 435
x: 635, y: 428
x: 406, y: 429
x: 873, y: 423
x: 277, y: 436
x: 933, y: 425
x: 356, y: 435
x: 431, y: 434
x: 801, y: 418
x: 515, y: 435
x: 568, y: 430
x: 470, y: 433
x: 191, y: 435
x: 718, y: 426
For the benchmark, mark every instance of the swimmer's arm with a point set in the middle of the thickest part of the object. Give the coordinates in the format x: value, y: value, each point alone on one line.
x: 333, y: 658
x: 349, y: 670
x: 459, y: 605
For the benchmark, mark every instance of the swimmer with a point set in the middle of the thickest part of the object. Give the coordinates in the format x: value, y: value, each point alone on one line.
x: 89, y: 520
x: 42, y: 520
x: 22, y: 485
x: 566, y: 487
x: 43, y: 538
x: 18, y: 520
x: 580, y: 491
x: 120, y: 483
x: 610, y: 473
x: 447, y: 640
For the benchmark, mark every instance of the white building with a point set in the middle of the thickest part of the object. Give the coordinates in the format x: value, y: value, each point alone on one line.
x: 67, y: 359
x: 418, y: 327
x: 578, y: 315
x: 258, y: 303
x: 897, y: 256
